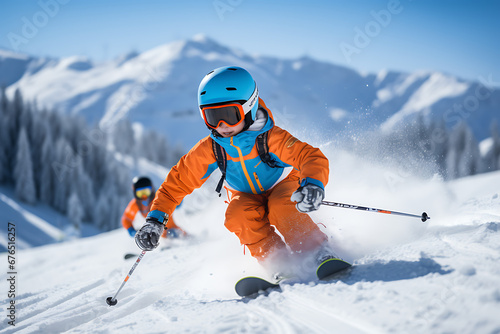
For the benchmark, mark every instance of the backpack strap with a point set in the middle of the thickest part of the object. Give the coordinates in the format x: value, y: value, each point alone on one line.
x: 263, y: 149
x: 220, y: 156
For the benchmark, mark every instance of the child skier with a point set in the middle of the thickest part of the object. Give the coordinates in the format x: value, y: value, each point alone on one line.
x: 260, y: 195
x: 143, y: 197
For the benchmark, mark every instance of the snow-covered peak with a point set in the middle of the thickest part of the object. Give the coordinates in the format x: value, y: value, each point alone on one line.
x: 385, y: 77
x: 126, y: 57
x: 6, y: 54
x: 76, y: 63
x: 202, y: 45
x: 206, y: 41
x: 202, y: 38
x: 437, y: 87
x: 158, y: 89
x: 432, y: 88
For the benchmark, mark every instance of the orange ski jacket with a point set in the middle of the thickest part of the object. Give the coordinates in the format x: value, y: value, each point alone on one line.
x: 245, y: 171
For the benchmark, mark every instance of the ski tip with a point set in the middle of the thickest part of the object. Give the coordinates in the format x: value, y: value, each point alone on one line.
x: 248, y: 278
x: 252, y: 287
x: 130, y: 256
x: 331, y: 267
x: 335, y: 259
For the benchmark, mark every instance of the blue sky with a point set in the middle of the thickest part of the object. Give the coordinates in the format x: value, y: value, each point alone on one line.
x: 455, y: 36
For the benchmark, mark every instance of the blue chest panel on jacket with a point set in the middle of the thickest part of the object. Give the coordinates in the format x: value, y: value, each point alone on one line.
x: 260, y: 175
x: 246, y: 174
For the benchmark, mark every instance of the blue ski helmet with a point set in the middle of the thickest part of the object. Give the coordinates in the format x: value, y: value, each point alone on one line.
x: 229, y: 84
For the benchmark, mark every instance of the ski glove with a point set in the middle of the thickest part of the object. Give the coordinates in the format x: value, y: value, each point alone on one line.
x: 308, y: 197
x: 148, y: 237
x: 131, y: 231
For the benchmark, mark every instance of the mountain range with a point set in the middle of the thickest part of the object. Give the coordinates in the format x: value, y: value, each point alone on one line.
x: 157, y: 89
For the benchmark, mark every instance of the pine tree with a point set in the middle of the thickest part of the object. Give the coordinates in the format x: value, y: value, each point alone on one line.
x: 3, y: 100
x: 463, y: 157
x: 495, y: 149
x: 95, y: 163
x: 62, y: 167
x: 439, y: 139
x: 114, y: 209
x: 4, y: 162
x: 38, y: 134
x: 84, y: 190
x: 147, y: 146
x: 470, y: 159
x: 451, y: 164
x: 456, y: 148
x: 46, y: 172
x: 23, y: 170
x: 123, y: 137
x: 75, y: 211
x: 101, y: 214
x: 15, y: 110
x: 7, y: 140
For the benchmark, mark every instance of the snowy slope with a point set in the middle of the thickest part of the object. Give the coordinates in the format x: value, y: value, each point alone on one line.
x: 409, y: 277
x: 40, y: 224
x: 158, y: 88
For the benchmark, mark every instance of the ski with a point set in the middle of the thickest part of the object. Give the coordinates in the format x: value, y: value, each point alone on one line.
x: 251, y: 286
x: 130, y: 255
x: 330, y: 268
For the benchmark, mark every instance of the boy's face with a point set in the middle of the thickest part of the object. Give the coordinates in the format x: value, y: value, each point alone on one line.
x: 229, y: 131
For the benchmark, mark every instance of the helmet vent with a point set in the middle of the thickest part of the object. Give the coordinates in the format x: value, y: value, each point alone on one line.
x: 232, y: 69
x: 210, y: 72
x: 230, y: 88
x: 203, y: 93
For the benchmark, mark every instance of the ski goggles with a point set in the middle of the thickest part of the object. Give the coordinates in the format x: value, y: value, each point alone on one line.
x: 143, y: 192
x: 232, y: 113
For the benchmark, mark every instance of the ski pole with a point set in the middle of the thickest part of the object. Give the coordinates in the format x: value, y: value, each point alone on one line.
x: 111, y: 301
x: 423, y: 216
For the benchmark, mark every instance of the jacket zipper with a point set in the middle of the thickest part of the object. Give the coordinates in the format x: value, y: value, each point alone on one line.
x: 245, y: 171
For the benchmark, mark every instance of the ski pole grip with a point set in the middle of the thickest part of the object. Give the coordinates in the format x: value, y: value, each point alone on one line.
x: 425, y: 217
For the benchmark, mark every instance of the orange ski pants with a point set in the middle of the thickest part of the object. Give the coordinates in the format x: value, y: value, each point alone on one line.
x: 253, y: 218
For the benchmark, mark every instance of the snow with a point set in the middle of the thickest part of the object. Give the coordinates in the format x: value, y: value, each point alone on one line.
x: 41, y: 224
x: 408, y: 276
x: 485, y: 146
x: 437, y: 87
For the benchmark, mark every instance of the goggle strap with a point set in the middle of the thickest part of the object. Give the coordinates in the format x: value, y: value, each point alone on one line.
x: 247, y: 106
